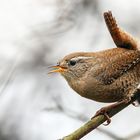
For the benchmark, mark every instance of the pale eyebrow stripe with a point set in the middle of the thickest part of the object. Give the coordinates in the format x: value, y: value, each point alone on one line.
x: 81, y: 57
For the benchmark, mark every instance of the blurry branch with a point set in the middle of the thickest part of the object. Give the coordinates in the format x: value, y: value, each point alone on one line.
x: 82, y: 118
x: 95, y: 122
x: 133, y: 136
x: 69, y: 15
x: 9, y: 75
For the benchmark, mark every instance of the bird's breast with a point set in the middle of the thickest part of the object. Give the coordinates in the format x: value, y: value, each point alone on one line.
x: 93, y: 90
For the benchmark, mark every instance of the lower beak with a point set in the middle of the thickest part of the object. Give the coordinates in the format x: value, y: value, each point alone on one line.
x: 57, y: 69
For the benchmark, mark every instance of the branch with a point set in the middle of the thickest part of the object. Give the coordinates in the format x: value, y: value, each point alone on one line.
x: 80, y: 117
x: 95, y: 122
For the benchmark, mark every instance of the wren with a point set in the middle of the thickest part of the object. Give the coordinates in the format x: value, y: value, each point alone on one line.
x: 111, y: 75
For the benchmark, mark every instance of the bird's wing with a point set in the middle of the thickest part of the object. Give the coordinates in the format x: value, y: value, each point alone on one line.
x: 118, y: 65
x: 121, y: 38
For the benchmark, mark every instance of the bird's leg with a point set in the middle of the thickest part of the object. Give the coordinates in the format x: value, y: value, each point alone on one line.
x: 105, y: 110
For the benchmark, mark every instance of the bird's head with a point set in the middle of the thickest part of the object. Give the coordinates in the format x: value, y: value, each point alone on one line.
x: 74, y: 65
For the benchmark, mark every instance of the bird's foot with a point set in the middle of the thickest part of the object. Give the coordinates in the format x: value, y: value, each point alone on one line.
x: 103, y: 111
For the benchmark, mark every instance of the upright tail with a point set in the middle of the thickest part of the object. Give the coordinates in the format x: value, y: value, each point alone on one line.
x: 121, y: 38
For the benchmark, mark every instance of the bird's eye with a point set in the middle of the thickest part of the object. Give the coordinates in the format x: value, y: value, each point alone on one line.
x: 72, y: 62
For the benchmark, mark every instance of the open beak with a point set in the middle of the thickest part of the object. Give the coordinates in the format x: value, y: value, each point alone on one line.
x: 57, y: 69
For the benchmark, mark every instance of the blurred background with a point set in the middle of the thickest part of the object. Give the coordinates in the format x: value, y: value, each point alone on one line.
x: 35, y: 34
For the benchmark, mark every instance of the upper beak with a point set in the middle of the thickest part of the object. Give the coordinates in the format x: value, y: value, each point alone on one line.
x: 57, y: 69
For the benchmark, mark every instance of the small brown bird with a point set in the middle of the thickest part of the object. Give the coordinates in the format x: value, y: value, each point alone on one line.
x: 111, y: 75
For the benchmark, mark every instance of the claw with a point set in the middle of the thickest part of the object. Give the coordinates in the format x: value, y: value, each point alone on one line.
x: 107, y: 119
x: 103, y: 111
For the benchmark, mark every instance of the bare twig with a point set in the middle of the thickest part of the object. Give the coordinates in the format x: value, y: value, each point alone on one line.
x: 95, y: 122
x: 133, y: 136
x: 9, y: 75
x: 81, y: 117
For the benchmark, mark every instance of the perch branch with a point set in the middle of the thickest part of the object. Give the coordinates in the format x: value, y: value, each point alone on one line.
x: 95, y: 122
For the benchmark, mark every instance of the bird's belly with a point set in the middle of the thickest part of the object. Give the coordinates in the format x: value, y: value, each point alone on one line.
x: 100, y: 94
x: 97, y: 93
x: 103, y: 96
x: 106, y: 97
